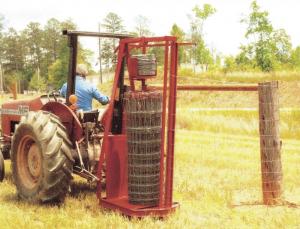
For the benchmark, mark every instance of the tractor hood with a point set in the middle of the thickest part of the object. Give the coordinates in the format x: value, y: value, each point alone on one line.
x: 32, y: 105
x: 12, y: 111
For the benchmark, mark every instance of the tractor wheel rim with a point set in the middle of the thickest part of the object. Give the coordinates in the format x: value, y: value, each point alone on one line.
x: 29, y: 162
x: 34, y: 161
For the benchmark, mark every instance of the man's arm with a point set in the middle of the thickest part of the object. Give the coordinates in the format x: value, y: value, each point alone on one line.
x: 63, y: 90
x: 103, y: 99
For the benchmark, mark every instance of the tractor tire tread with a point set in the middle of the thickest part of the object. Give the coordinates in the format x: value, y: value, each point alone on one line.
x: 51, y: 136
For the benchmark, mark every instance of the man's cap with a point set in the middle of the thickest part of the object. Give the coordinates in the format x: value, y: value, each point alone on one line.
x: 81, y: 69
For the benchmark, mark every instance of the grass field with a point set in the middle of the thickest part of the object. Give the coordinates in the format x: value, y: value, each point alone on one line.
x: 217, y: 182
x: 217, y: 173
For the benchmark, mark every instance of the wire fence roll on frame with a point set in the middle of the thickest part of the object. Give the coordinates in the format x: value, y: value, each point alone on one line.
x: 143, y: 117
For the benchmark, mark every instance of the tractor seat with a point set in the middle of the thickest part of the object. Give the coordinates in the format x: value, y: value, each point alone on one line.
x: 90, y: 116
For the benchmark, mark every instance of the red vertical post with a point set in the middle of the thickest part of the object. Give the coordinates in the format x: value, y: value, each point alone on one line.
x: 144, y: 48
x: 171, y: 125
x: 108, y: 121
x: 163, y: 126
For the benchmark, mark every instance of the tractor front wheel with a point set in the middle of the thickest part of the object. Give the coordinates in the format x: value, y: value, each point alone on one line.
x: 41, y: 158
x: 2, y: 170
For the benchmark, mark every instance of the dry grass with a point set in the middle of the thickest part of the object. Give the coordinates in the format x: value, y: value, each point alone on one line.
x: 243, y: 77
x: 217, y: 175
x: 239, y: 121
x: 214, y: 172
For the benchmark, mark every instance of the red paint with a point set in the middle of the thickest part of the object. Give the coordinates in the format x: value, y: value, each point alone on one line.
x: 68, y: 119
x: 171, y: 126
x: 114, y: 148
x: 163, y: 125
x: 67, y: 116
x: 7, y: 120
x: 122, y: 205
x: 116, y: 166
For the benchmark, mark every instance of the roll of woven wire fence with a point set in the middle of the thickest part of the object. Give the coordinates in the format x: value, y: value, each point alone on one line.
x: 143, y: 128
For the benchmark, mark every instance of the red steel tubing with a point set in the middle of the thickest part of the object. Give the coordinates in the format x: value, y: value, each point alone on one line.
x: 171, y: 127
x: 162, y: 148
x: 107, y: 124
x: 158, y: 45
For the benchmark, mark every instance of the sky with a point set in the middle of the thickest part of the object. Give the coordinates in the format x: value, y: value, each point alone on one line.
x: 223, y: 31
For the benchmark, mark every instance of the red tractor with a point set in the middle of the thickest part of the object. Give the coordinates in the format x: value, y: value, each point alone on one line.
x: 48, y: 141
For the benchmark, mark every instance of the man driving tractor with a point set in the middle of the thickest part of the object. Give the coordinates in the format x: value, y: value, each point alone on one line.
x: 84, y: 90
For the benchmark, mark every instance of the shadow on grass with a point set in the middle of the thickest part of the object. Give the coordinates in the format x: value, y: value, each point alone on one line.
x: 14, y: 198
x: 280, y: 203
x: 8, y: 177
x: 79, y: 189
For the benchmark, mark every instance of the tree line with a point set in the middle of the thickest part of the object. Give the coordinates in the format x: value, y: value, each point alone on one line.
x: 37, y: 56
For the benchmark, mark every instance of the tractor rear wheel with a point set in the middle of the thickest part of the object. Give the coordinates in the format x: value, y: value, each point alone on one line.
x: 41, y: 158
x: 2, y: 170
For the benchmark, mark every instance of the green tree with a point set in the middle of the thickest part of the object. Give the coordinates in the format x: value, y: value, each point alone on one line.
x: 229, y: 64
x: 51, y: 41
x: 33, y: 43
x: 180, y: 35
x: 201, y: 14
x: 295, y: 58
x: 13, y: 51
x: 283, y: 46
x: 203, y: 55
x: 245, y: 59
x: 270, y: 47
x: 260, y: 30
x: 37, y: 54
x: 1, y: 52
x: 112, y: 23
x: 37, y: 83
x: 33, y: 37
x: 1, y: 37
x: 142, y: 26
x: 200, y: 54
x: 58, y: 70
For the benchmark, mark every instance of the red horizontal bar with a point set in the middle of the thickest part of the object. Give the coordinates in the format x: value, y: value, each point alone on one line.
x: 212, y: 87
x: 148, y: 39
x: 160, y: 44
x: 147, y: 45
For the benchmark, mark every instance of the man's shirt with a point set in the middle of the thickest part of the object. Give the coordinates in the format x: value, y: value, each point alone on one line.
x: 85, y: 93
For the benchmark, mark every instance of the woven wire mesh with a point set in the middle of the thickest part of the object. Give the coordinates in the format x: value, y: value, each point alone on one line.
x: 143, y: 112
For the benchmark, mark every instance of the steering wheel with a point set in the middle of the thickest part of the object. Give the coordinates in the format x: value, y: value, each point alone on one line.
x: 53, y: 94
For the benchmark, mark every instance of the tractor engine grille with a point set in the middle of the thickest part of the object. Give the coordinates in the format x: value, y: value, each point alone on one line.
x: 143, y: 127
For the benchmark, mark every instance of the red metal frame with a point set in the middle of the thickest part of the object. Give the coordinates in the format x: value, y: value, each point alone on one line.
x: 114, y: 148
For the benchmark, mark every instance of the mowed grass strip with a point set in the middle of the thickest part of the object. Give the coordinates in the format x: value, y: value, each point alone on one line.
x: 235, y: 121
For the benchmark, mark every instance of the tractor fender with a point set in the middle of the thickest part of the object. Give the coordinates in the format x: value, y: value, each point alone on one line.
x: 68, y: 119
